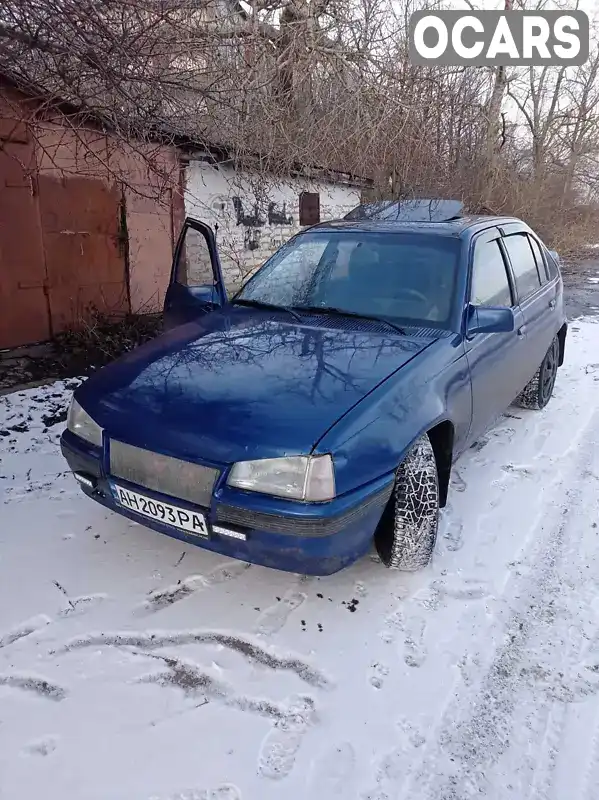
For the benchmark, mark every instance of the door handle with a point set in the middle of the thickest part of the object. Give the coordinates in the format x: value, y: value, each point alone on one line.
x: 522, y: 330
x: 552, y: 304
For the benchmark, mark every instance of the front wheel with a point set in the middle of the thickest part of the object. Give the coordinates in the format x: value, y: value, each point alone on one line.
x: 537, y: 392
x: 406, y: 535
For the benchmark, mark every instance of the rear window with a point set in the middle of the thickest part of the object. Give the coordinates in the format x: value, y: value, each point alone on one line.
x: 552, y: 267
x: 538, y: 255
x: 523, y: 264
x: 408, y: 277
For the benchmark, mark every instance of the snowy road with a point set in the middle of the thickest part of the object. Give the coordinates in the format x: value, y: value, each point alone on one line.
x: 133, y: 667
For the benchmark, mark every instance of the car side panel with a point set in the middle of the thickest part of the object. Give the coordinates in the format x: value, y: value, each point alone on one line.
x: 498, y: 365
x: 542, y: 323
x: 371, y: 440
x: 499, y: 362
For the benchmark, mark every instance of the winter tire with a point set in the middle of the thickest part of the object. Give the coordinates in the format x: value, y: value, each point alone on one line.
x: 406, y: 535
x: 537, y: 392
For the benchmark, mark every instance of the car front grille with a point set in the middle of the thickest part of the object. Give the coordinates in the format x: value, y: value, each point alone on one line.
x: 182, y: 479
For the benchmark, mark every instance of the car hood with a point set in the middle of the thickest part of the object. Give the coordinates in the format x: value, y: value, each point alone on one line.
x: 239, y: 384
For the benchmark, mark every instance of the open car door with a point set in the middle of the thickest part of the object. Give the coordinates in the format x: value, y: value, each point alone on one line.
x: 196, y: 286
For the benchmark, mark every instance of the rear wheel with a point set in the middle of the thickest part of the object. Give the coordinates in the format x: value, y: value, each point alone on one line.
x: 406, y: 534
x: 537, y: 392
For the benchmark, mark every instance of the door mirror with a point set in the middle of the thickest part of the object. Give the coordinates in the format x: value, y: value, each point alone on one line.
x: 490, y: 319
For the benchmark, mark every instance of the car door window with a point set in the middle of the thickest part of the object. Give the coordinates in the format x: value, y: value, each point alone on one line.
x: 552, y: 268
x: 523, y: 264
x: 490, y: 283
x: 539, y: 260
x: 194, y: 264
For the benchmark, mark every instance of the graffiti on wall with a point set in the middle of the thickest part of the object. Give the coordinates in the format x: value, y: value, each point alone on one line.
x: 251, y: 238
x: 256, y: 218
x: 278, y: 216
x: 249, y: 219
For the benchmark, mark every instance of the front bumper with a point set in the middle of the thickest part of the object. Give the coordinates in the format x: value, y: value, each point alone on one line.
x: 313, y: 539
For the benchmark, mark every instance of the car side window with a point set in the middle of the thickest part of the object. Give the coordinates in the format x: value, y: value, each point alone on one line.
x: 490, y: 283
x: 552, y: 268
x: 539, y: 260
x: 194, y: 264
x: 523, y: 264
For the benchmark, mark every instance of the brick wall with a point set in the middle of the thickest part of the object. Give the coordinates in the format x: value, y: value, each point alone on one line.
x: 255, y: 215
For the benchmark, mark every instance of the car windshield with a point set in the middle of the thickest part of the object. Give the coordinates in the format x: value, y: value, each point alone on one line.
x: 406, y: 277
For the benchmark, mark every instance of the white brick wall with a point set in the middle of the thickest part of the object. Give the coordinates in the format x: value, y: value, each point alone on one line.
x: 209, y: 197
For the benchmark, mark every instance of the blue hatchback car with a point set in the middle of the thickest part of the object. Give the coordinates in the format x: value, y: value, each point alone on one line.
x: 320, y: 409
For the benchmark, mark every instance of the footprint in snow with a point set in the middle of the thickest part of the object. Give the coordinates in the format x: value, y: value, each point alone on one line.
x: 332, y: 775
x: 457, y: 482
x: 163, y: 598
x: 515, y: 469
x: 454, y: 536
x: 429, y: 598
x: 414, y: 649
x: 541, y: 437
x: 275, y: 617
x: 468, y: 589
x: 42, y: 747
x: 394, y: 765
x: 281, y: 744
x: 394, y: 623
x: 479, y: 444
x: 378, y: 673
x: 227, y: 572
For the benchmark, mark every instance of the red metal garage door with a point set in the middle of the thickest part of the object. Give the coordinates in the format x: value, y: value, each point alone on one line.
x: 85, y: 258
x: 23, y: 305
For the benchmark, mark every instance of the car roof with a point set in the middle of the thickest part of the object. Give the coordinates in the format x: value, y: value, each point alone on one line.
x: 455, y: 227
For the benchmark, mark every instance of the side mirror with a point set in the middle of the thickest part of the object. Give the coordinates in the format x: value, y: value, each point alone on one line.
x: 490, y: 319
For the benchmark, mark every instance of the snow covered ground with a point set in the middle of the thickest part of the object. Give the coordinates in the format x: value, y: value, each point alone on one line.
x: 133, y: 667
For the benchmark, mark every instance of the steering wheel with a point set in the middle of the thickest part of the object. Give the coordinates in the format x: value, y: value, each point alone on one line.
x: 414, y: 293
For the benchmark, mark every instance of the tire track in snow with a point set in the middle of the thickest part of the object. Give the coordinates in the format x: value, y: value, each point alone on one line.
x: 251, y: 650
x: 24, y: 629
x: 549, y: 746
x: 590, y: 786
x: 193, y: 681
x: 475, y: 727
x: 33, y: 683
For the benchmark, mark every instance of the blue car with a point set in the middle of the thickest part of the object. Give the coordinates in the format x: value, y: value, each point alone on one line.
x: 320, y: 409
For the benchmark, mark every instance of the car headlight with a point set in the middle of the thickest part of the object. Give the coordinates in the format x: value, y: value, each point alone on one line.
x: 81, y: 424
x: 309, y: 478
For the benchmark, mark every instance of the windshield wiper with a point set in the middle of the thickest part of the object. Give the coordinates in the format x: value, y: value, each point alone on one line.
x: 259, y: 304
x: 340, y: 312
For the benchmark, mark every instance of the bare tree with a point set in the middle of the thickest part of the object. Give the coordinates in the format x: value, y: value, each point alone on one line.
x: 284, y: 83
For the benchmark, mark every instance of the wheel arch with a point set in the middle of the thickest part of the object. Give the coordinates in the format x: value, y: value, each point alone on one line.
x: 441, y: 437
x: 561, y: 337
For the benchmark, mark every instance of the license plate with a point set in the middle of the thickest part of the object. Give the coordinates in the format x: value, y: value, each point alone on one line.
x: 182, y: 518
